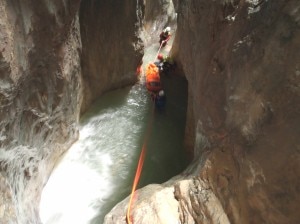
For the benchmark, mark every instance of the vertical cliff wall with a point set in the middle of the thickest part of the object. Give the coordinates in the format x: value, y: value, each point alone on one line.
x: 45, y: 74
x: 112, y: 48
x: 157, y: 15
x: 242, y: 66
x: 241, y: 61
x: 40, y: 96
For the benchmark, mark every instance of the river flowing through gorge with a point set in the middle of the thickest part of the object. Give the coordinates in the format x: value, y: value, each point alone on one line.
x: 98, y: 170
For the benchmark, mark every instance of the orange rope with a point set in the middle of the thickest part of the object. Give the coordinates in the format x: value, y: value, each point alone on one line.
x: 158, y: 50
x: 129, y: 219
x: 135, y: 182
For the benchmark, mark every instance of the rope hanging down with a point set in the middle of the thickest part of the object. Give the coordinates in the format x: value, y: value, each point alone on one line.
x: 158, y: 50
x: 129, y: 219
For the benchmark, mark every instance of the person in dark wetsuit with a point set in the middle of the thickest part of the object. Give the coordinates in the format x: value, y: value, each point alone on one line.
x: 165, y: 64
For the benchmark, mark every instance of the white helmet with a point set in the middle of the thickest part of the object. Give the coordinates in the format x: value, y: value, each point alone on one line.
x: 168, y: 29
x: 161, y: 93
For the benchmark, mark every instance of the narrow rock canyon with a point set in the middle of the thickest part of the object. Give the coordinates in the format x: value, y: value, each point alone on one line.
x: 241, y: 61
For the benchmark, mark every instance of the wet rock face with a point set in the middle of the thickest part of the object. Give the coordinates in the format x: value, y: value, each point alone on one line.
x: 40, y: 97
x: 42, y: 65
x: 111, y: 46
x: 241, y: 60
x: 40, y: 70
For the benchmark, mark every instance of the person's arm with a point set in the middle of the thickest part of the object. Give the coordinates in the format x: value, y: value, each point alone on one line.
x: 166, y: 40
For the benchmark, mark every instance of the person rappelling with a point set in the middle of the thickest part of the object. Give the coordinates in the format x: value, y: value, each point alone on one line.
x: 154, y: 69
x: 153, y: 83
x: 164, y: 36
x: 154, y: 86
x: 165, y: 64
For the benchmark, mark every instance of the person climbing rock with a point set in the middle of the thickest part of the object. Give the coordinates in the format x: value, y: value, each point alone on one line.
x: 165, y: 64
x: 164, y: 36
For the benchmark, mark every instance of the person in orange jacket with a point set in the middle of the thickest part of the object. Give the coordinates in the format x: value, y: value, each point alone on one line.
x: 153, y: 83
x: 164, y: 36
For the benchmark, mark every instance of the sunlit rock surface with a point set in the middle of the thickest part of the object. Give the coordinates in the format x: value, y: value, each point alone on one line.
x: 241, y: 60
x: 162, y: 207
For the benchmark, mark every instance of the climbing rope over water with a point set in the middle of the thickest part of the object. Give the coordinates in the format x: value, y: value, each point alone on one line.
x: 158, y: 50
x: 129, y: 219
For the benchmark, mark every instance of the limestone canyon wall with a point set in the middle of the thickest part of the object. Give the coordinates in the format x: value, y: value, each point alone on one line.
x: 157, y: 14
x: 242, y: 65
x: 241, y: 60
x: 111, y: 48
x: 40, y: 98
x: 50, y: 62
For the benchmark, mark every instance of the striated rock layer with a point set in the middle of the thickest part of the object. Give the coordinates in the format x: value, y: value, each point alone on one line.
x: 241, y: 60
x: 49, y: 62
